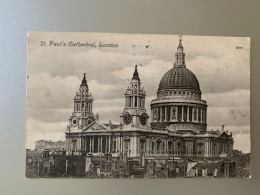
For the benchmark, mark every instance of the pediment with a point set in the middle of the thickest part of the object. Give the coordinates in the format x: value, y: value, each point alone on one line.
x: 223, y: 135
x: 96, y: 126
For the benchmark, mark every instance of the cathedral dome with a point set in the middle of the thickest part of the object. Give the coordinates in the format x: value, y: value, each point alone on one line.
x: 179, y: 78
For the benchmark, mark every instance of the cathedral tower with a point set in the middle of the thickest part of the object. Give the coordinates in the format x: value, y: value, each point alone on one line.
x: 82, y: 114
x: 134, y: 115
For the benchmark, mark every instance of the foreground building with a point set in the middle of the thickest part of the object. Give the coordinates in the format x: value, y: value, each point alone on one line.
x: 177, y: 129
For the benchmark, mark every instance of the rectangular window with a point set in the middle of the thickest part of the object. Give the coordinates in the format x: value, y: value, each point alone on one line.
x: 179, y: 113
x: 199, y: 114
x: 114, y: 146
x: 185, y: 113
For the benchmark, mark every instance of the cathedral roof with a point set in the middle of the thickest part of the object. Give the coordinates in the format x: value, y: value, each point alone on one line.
x: 84, y: 81
x: 179, y: 77
x: 136, y: 75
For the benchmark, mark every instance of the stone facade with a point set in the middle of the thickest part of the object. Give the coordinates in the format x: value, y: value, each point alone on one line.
x: 178, y: 122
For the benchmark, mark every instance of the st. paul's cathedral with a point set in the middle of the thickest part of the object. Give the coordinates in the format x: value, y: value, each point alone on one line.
x: 177, y: 126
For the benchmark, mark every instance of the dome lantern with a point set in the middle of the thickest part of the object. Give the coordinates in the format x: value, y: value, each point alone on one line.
x: 179, y: 77
x: 180, y: 55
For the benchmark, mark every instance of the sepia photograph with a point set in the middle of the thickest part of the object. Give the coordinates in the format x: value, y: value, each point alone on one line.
x: 107, y: 105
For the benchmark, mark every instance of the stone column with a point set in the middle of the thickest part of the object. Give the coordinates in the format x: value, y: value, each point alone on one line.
x: 182, y: 113
x: 192, y: 110
x: 117, y: 144
x: 100, y: 144
x: 93, y: 145
x: 174, y: 147
x: 158, y: 113
x: 197, y: 114
x: 147, y: 146
x: 191, y: 152
x: 177, y: 112
x: 170, y: 113
x: 152, y: 114
x: 109, y: 144
x: 186, y: 148
x: 206, y: 148
x: 161, y: 113
x: 90, y: 144
x: 218, y: 147
x: 188, y: 114
x: 165, y: 113
x: 211, y: 148
x: 85, y: 143
x: 201, y: 115
x: 205, y: 115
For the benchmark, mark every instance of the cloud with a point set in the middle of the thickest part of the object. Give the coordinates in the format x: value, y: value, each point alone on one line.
x: 238, y: 97
x: 223, y: 74
x: 94, y: 62
x: 242, y: 142
x: 238, y: 116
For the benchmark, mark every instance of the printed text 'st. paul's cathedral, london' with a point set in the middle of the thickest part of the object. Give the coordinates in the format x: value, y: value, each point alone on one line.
x: 178, y: 121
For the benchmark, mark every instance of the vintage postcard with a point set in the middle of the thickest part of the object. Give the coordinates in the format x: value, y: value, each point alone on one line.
x: 105, y: 105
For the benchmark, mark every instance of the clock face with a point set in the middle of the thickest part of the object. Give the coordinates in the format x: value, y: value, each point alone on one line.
x: 127, y: 118
x: 143, y: 119
x: 74, y: 122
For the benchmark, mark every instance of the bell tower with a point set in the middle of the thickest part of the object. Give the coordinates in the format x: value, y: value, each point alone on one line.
x: 82, y: 114
x: 134, y: 115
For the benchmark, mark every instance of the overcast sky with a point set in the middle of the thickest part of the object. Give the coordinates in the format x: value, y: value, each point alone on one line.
x: 55, y: 73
